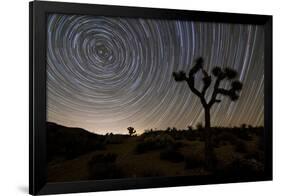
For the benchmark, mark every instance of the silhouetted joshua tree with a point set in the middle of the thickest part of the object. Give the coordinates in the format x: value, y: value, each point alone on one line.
x: 220, y: 75
x: 131, y: 130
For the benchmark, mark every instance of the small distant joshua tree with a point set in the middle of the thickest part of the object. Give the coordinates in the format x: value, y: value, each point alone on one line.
x: 220, y: 75
x: 131, y: 130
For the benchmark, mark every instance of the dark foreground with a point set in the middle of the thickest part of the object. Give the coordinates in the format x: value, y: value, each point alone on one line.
x: 74, y: 154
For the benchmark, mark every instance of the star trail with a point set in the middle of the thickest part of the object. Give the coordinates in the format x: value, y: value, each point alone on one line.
x: 105, y: 74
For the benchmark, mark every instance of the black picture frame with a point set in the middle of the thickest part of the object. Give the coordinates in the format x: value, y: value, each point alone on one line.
x: 37, y: 100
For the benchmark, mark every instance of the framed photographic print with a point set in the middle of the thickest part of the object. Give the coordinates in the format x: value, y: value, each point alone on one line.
x: 127, y: 97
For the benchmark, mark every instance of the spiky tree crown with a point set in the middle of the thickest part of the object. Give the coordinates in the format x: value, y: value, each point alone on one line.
x: 220, y: 74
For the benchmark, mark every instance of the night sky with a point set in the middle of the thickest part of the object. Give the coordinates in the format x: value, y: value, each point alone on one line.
x: 106, y: 74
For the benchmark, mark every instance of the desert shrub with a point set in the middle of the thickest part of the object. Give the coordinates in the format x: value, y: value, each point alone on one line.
x: 179, y: 135
x: 147, y: 131
x: 261, y: 139
x: 258, y: 155
x: 243, y: 126
x: 151, y: 133
x: 224, y: 138
x: 259, y: 131
x: 242, y: 167
x: 149, y: 172
x: 243, y: 133
x: 114, y: 139
x: 103, y: 166
x: 227, y: 137
x: 164, y: 140
x: 240, y: 146
x: 199, y: 126
x: 156, y: 142
x: 178, y: 144
x: 103, y: 158
x: 201, y: 134
x: 176, y: 134
x: 171, y: 154
x: 145, y: 145
x: 192, y: 161
x: 192, y: 135
x: 73, y: 147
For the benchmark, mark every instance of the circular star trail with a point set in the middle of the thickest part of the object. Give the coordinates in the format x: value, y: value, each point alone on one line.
x: 105, y: 74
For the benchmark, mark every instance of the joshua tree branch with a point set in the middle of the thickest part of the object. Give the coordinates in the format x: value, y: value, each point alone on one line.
x: 190, y: 82
x: 181, y: 76
x: 224, y: 91
x: 217, y: 100
x: 207, y: 80
x: 215, y: 92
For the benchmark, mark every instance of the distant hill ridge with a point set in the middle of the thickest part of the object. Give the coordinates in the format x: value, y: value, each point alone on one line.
x: 68, y: 142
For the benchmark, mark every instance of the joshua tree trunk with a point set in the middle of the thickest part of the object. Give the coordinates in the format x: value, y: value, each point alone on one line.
x: 209, y: 150
x: 207, y: 117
